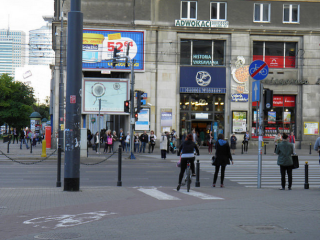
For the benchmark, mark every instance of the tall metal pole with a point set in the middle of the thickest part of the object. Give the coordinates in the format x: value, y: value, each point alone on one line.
x: 99, y: 126
x: 73, y: 100
x: 260, y: 132
x: 61, y: 101
x: 132, y: 110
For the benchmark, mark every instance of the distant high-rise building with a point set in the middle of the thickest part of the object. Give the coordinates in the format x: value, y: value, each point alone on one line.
x: 12, y: 50
x: 40, y: 45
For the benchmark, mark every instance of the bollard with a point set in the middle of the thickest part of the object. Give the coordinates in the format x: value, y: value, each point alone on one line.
x: 310, y: 149
x: 119, y: 183
x: 8, y: 147
x: 44, y: 148
x: 265, y: 149
x: 197, y: 184
x: 306, y: 177
x: 242, y: 149
x: 30, y: 147
x: 58, y: 184
x: 87, y: 150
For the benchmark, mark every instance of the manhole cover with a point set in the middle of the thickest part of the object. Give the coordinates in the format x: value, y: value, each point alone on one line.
x: 264, y: 229
x: 53, y: 236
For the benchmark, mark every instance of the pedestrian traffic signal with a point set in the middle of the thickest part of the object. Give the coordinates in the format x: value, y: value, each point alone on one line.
x: 115, y: 55
x: 268, y: 99
x: 126, y: 106
x: 139, y: 100
x: 136, y: 116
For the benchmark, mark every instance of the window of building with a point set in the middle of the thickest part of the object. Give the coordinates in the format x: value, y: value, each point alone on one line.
x: 202, y: 52
x: 262, y: 12
x: 276, y: 54
x: 291, y: 13
x: 188, y: 10
x: 218, y: 11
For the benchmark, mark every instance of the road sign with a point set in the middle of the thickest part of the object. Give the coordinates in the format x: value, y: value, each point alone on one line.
x: 258, y: 70
x: 255, y: 91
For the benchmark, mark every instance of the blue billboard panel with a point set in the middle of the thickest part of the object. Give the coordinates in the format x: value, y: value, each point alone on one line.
x: 99, y: 44
x: 202, y: 80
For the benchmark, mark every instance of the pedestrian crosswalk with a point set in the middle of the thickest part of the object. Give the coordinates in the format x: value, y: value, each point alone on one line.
x: 246, y: 173
x: 172, y: 194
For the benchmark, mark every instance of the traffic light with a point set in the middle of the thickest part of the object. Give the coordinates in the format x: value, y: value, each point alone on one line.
x: 126, y: 106
x: 268, y: 99
x: 128, y: 49
x: 139, y: 100
x: 136, y: 116
x: 115, y: 55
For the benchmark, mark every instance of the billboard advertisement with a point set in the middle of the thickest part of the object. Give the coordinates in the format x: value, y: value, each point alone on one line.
x: 99, y: 44
x: 112, y: 92
x: 143, y: 120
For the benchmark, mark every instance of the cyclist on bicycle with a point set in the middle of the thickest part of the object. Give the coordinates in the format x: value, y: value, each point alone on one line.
x: 187, y: 154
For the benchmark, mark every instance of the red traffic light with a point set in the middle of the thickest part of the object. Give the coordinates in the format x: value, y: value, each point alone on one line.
x: 126, y: 107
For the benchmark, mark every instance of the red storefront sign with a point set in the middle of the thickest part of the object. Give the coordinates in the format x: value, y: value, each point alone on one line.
x: 282, y: 101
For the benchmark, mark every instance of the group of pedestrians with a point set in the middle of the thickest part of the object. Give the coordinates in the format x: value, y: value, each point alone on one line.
x: 26, y: 135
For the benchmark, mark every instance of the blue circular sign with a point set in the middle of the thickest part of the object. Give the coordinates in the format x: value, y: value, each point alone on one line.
x: 258, y: 70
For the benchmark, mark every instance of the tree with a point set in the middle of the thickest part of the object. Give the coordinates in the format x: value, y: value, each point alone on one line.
x: 16, y: 100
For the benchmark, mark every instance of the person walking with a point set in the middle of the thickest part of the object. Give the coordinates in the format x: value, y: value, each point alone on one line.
x: 136, y: 142
x: 96, y: 141
x: 114, y: 140
x: 23, y: 138
x: 143, y: 140
x: 316, y: 147
x: 246, y: 139
x: 292, y: 140
x: 122, y: 138
x: 210, y: 142
x: 277, y: 140
x: 127, y: 141
x: 223, y: 158
x: 163, y: 145
x: 233, y: 141
x: 186, y: 151
x: 15, y: 135
x: 284, y: 151
x: 109, y: 141
x: 152, y: 141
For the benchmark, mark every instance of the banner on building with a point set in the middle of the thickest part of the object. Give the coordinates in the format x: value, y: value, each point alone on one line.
x: 99, y: 44
x: 272, y: 116
x: 311, y: 128
x: 239, y: 120
x: 166, y: 117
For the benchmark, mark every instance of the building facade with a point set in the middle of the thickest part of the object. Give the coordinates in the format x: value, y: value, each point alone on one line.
x: 12, y: 50
x: 40, y: 44
x: 197, y: 55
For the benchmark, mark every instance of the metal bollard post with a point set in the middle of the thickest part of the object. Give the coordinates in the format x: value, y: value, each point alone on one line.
x: 8, y: 147
x: 310, y: 149
x: 306, y: 177
x: 265, y: 149
x: 119, y: 183
x: 30, y: 147
x: 197, y: 184
x: 58, y: 184
x: 242, y: 149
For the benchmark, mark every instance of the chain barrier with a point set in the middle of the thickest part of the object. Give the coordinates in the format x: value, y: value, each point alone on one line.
x: 27, y: 163
x: 91, y: 164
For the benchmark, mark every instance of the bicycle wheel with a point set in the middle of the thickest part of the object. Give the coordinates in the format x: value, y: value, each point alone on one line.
x: 188, y: 179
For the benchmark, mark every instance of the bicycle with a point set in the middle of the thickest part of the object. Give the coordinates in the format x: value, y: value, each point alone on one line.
x: 188, y: 176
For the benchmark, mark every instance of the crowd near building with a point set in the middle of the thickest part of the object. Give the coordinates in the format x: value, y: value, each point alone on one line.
x: 192, y: 62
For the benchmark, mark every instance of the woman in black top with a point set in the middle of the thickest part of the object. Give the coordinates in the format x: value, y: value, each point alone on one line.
x: 223, y: 157
x: 186, y: 151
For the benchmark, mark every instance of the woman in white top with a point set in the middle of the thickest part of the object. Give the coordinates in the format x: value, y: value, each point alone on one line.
x: 152, y: 141
x: 127, y: 141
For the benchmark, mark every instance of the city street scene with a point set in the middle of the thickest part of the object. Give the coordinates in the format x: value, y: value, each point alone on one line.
x: 148, y: 119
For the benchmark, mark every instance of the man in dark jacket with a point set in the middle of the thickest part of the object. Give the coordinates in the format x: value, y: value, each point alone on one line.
x: 285, y: 150
x: 144, y: 140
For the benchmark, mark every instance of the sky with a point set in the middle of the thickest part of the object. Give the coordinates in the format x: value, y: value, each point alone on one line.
x: 24, y: 15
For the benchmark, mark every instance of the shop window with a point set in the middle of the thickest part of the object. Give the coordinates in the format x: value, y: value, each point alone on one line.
x: 261, y: 12
x: 291, y: 13
x: 218, y: 11
x: 280, y: 119
x: 276, y: 54
x: 202, y: 52
x: 184, y: 102
x: 219, y: 104
x: 188, y: 10
x: 201, y: 103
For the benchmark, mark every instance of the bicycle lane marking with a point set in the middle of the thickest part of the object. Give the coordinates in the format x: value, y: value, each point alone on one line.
x: 200, y: 195
x: 259, y: 69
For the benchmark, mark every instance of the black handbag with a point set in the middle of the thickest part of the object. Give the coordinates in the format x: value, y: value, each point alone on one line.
x: 295, y: 161
x: 213, y: 161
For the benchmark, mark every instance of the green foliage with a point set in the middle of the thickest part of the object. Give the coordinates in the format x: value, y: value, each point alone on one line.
x: 16, y: 100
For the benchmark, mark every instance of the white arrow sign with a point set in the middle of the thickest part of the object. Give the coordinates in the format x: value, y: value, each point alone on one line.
x: 255, y: 91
